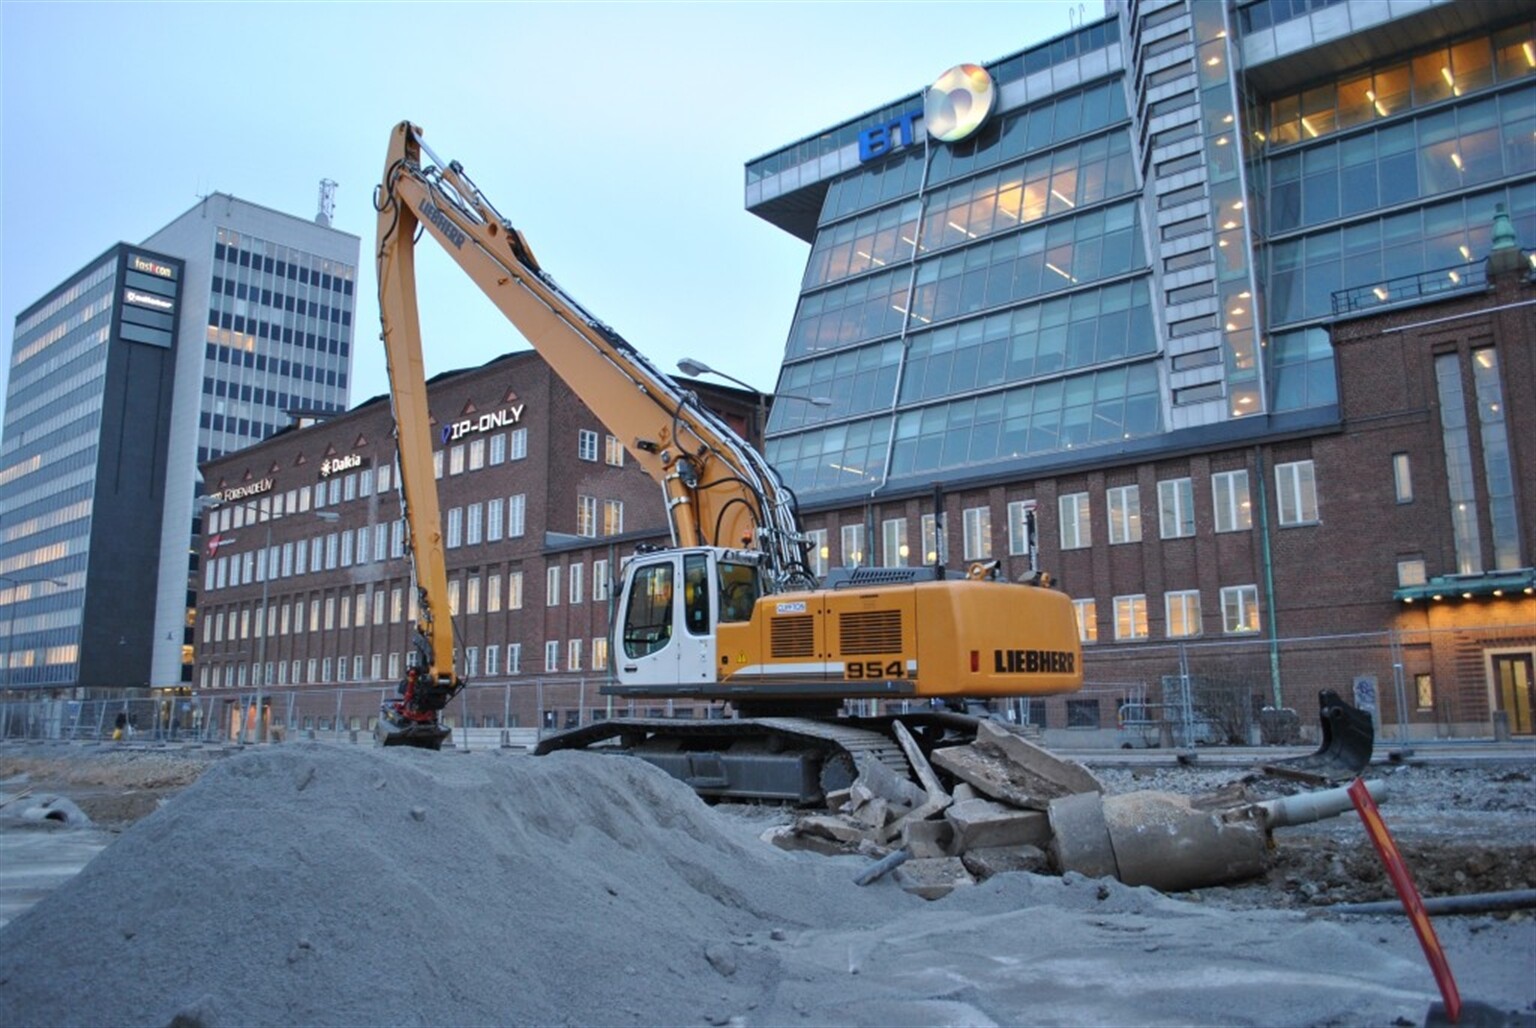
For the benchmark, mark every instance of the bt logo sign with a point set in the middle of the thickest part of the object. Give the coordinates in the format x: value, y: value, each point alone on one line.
x: 954, y: 107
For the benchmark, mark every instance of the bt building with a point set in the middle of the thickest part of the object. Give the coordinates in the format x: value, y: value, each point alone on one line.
x: 1217, y: 290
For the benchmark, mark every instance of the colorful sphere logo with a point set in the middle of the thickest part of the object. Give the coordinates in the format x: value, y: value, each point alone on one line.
x: 957, y: 104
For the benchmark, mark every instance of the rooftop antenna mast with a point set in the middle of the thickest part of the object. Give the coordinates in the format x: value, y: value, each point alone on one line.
x: 327, y: 202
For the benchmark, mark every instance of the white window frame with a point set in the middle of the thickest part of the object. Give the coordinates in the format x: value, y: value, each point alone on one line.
x: 1402, y: 477
x: 1176, y: 508
x: 1240, y: 609
x: 1131, y: 617
x: 552, y: 586
x: 852, y: 540
x: 600, y: 580
x: 586, y: 444
x: 1124, y: 504
x: 552, y: 656
x: 1181, y: 611
x: 613, y: 452
x: 578, y: 578
x: 514, y: 590
x: 1230, y: 501
x: 893, y: 543
x: 1296, y: 493
x: 1076, y: 512
x: 978, y: 533
x: 517, y: 515
x: 1018, y: 527
x: 1087, y: 612
x: 819, y: 552
x: 586, y: 516
x: 453, y: 536
x: 613, y: 517
x: 517, y: 444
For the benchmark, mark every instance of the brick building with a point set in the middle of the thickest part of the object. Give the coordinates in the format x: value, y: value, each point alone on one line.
x: 540, y: 505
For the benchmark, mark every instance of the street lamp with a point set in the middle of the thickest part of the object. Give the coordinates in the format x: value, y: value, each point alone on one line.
x: 695, y: 368
x: 10, y: 626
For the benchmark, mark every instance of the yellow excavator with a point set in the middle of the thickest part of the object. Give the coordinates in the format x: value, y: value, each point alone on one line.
x: 731, y: 611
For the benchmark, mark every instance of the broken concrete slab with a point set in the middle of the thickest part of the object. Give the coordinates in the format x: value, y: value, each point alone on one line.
x: 785, y: 837
x: 980, y: 823
x: 934, y: 878
x: 987, y: 861
x: 926, y: 840
x: 1009, y: 768
x: 875, y: 779
x: 827, y: 826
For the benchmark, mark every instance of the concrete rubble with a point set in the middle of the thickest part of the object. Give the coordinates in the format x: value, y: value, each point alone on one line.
x: 1015, y: 806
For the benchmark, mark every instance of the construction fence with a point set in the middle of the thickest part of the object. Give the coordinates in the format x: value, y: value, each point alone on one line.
x: 1418, y: 685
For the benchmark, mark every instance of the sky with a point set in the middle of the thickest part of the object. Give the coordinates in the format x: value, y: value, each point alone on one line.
x: 614, y: 135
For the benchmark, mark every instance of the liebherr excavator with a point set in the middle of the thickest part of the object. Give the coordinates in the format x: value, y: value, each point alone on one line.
x: 730, y: 611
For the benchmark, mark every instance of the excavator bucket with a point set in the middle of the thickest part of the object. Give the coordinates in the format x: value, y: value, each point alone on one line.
x: 421, y: 735
x: 1348, y: 739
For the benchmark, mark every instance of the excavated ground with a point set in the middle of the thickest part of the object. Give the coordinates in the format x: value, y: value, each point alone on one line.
x: 1463, y: 827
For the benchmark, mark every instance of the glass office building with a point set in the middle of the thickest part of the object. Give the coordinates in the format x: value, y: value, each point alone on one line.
x: 1145, y: 238
x: 258, y: 323
x: 1124, y: 299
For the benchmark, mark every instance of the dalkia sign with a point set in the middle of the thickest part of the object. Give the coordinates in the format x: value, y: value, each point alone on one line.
x: 336, y: 465
x: 503, y: 418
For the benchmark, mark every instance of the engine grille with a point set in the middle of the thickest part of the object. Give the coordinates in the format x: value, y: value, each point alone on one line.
x: 871, y: 631
x: 793, y: 636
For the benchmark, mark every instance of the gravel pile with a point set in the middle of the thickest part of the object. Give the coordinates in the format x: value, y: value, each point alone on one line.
x: 318, y: 885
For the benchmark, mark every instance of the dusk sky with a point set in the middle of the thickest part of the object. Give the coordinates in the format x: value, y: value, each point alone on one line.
x: 613, y: 135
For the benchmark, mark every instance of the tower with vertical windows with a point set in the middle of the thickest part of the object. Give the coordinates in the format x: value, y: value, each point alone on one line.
x: 150, y: 359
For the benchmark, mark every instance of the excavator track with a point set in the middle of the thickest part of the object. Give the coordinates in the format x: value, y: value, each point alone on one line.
x: 798, y: 760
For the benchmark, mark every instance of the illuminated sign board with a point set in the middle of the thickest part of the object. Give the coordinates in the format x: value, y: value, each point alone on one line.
x: 954, y: 107
x: 336, y: 465
x: 150, y: 267
x: 503, y: 418
x: 150, y: 300
x: 240, y: 492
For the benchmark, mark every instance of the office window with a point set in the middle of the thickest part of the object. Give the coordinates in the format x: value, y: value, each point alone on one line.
x: 455, y: 533
x: 613, y: 517
x: 437, y: 464
x: 397, y: 538
x: 325, y: 671
x: 1124, y: 514
x: 378, y: 606
x: 394, y: 666
x: 518, y: 444
x: 613, y: 453
x: 573, y: 655
x: 514, y: 658
x: 1240, y: 609
x: 475, y: 514
x: 893, y: 543
x: 348, y: 488
x: 1183, y: 612
x: 552, y: 656
x: 599, y: 654
x: 935, y: 547
x: 853, y: 545
x: 472, y: 595
x: 819, y: 551
x: 493, y: 592
x: 578, y: 578
x: 1176, y: 508
x: 1019, y: 527
x: 493, y: 529
x: 1230, y: 496
x: 599, y: 581
x: 498, y: 448
x: 1087, y: 620
x: 476, y: 454
x: 1076, y: 521
x: 514, y: 590
x: 1402, y: 478
x: 517, y: 510
x: 456, y: 459
x: 1130, y: 617
x: 383, y: 477
x: 586, y: 444
x: 552, y: 586
x: 471, y: 661
x: 1296, y: 488
x: 492, y: 661
x: 453, y: 596
x: 1411, y: 572
x: 586, y: 514
x: 978, y: 533
x: 396, y: 604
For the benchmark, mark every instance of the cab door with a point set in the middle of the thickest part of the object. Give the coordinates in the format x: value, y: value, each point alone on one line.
x: 647, y: 623
x: 696, y: 639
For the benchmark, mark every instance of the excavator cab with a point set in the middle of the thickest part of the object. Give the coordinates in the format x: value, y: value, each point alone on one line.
x: 671, y: 606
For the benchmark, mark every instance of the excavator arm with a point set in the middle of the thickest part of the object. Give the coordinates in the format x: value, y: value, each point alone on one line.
x: 718, y: 490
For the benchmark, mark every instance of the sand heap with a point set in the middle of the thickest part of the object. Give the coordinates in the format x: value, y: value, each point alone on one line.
x: 318, y: 885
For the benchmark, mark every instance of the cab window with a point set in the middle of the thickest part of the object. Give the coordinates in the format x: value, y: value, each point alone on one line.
x: 738, y: 591
x: 648, y: 612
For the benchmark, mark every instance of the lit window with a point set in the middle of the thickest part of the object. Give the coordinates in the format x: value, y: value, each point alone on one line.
x: 1296, y: 492
x: 586, y: 516
x: 978, y: 533
x: 1183, y: 612
x: 853, y: 545
x: 1411, y: 572
x: 1176, y: 508
x: 1402, y: 478
x: 1076, y: 526
x: 1087, y: 620
x: 613, y: 454
x: 1240, y: 609
x: 1124, y: 514
x: 1230, y: 495
x: 893, y: 543
x: 613, y: 517
x: 1130, y: 617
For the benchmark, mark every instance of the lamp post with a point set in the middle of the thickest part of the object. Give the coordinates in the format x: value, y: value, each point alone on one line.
x: 695, y: 368
x: 10, y: 626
